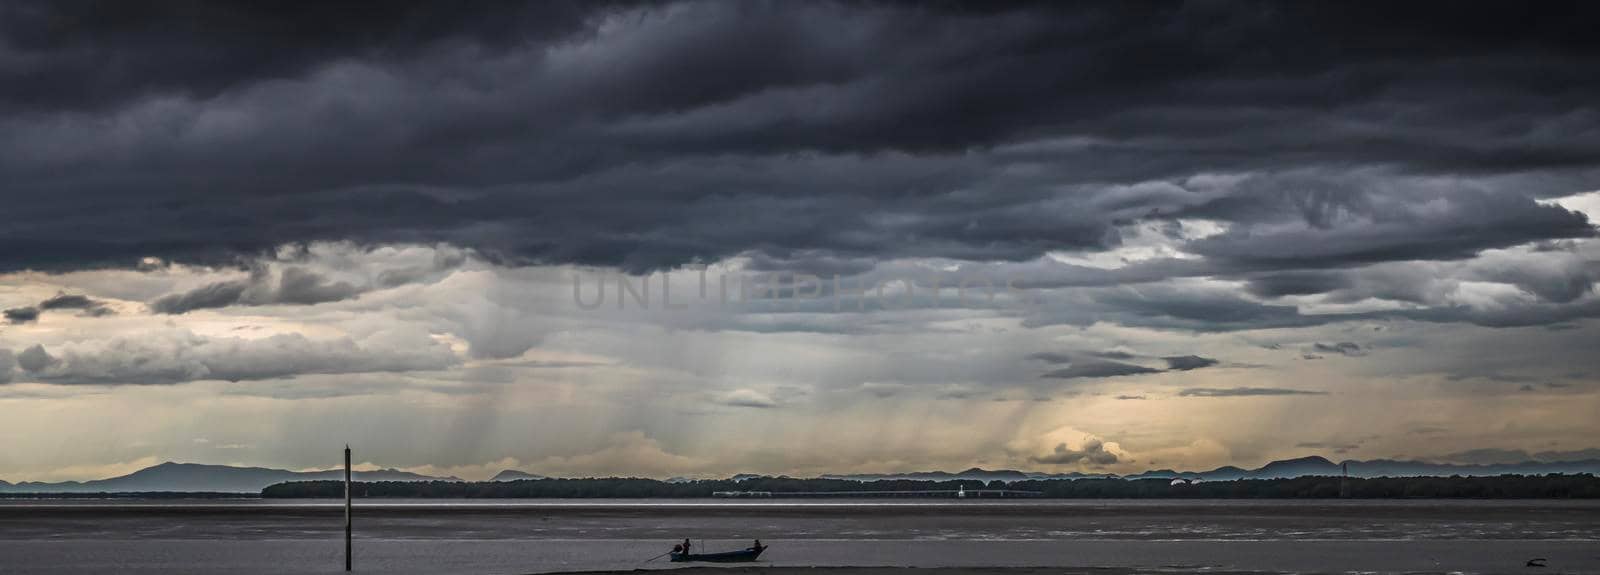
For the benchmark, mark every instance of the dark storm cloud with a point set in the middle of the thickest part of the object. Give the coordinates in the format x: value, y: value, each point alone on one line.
x: 1346, y: 225
x: 299, y: 286
x: 1243, y: 392
x: 30, y: 314
x: 1297, y: 283
x: 1173, y: 306
x: 1202, y: 310
x: 1098, y: 369
x: 1553, y: 279
x: 294, y: 285
x: 18, y: 315
x: 1562, y: 284
x: 215, y: 295
x: 66, y: 301
x: 89, y: 307
x: 823, y: 136
x: 1098, y: 364
x: 820, y: 265
x: 75, y: 55
x: 1188, y: 362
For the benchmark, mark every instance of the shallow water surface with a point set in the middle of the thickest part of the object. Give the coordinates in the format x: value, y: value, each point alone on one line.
x: 497, y: 536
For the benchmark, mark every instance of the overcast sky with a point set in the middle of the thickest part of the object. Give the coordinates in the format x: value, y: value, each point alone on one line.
x: 1233, y: 232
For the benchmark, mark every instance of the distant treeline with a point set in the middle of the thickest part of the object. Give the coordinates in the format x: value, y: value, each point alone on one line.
x: 1504, y: 486
x: 130, y: 495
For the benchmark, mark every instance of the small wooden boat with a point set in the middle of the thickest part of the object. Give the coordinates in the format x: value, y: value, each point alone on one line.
x: 749, y: 554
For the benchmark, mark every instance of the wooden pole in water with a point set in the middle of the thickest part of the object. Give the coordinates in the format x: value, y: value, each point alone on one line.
x: 347, y: 507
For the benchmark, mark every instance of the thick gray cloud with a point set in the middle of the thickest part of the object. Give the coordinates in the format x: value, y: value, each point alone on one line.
x: 298, y: 286
x: 1098, y: 369
x: 747, y: 398
x: 67, y: 301
x: 35, y: 359
x: 646, y: 136
x: 30, y: 314
x: 8, y: 364
x: 1165, y: 306
x: 1115, y: 354
x: 1093, y: 453
x: 77, y: 57
x: 171, y: 357
x: 220, y: 294
x: 88, y: 306
x: 1188, y: 180
x: 1052, y: 357
x: 301, y: 274
x: 19, y: 315
x: 294, y: 285
x: 1243, y: 392
x: 1348, y: 348
x: 1297, y: 283
x: 1188, y: 362
x: 1098, y: 364
x: 1361, y: 226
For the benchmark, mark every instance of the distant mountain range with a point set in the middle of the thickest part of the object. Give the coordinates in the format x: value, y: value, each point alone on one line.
x: 171, y: 476
x: 515, y: 475
x: 1287, y: 468
x: 974, y: 473
x: 195, y: 477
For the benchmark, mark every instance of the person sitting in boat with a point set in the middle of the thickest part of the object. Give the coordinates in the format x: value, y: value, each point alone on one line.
x: 677, y: 548
x: 757, y: 545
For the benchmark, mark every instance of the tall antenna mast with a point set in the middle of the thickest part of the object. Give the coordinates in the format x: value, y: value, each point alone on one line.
x: 347, y: 507
x: 1344, y: 480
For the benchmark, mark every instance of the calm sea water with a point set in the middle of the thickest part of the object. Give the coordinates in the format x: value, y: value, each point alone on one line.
x: 398, y: 536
